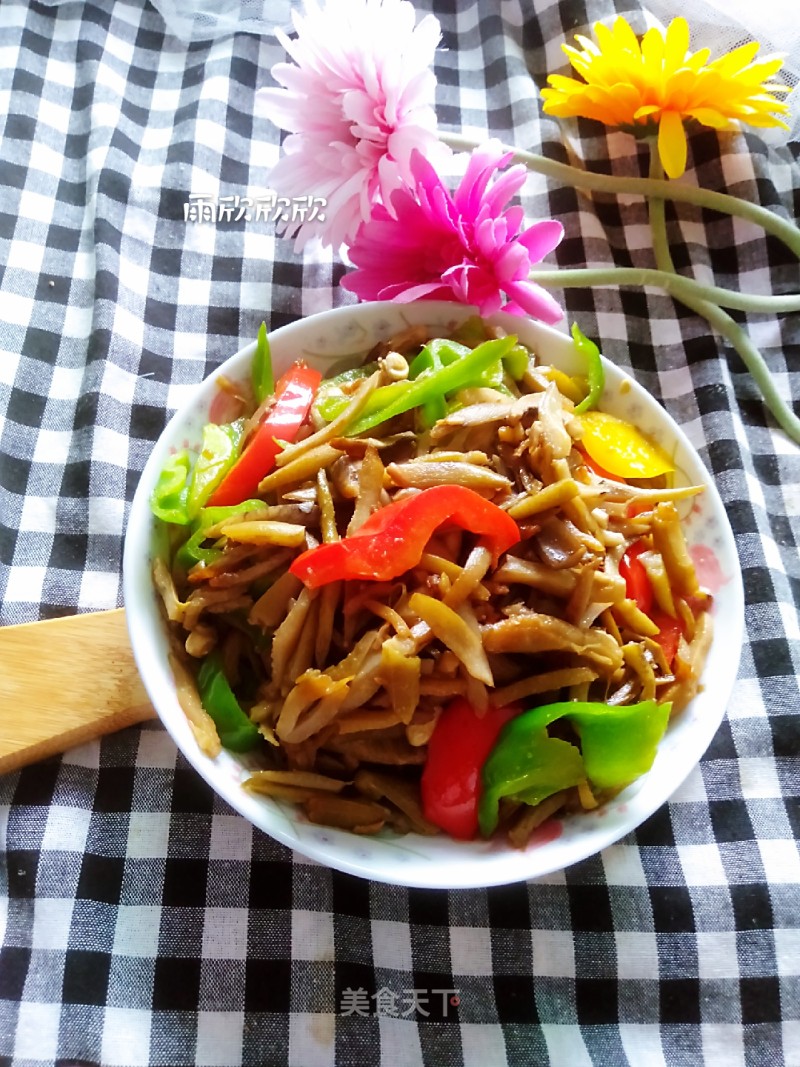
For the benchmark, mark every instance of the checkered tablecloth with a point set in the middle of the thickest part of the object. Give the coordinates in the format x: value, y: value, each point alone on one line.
x: 142, y: 922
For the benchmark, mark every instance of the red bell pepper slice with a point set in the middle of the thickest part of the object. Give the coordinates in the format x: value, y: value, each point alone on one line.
x: 393, y: 539
x: 638, y: 588
x: 637, y: 584
x: 294, y: 394
x: 670, y: 631
x: 451, y: 779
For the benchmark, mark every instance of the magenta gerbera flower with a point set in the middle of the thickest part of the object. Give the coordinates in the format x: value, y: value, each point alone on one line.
x: 468, y: 246
x: 357, y: 100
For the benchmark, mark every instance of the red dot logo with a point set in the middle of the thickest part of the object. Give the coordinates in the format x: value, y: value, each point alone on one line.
x: 455, y: 1001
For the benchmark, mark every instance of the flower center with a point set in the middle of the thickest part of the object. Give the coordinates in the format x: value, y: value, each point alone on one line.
x: 438, y: 256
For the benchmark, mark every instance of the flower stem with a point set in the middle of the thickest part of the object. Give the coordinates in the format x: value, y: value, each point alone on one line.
x: 753, y: 360
x: 717, y: 318
x: 674, y: 284
x: 657, y: 212
x: 657, y: 190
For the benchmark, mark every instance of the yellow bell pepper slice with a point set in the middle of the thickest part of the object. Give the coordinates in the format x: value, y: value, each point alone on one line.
x: 620, y: 448
x: 573, y: 388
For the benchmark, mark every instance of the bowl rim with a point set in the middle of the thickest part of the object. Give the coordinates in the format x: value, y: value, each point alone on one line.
x: 482, y: 867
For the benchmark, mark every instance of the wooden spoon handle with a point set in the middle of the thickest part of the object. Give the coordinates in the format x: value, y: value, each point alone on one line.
x: 66, y: 681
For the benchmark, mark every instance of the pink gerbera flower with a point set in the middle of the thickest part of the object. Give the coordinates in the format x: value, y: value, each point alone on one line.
x: 357, y: 101
x: 469, y: 246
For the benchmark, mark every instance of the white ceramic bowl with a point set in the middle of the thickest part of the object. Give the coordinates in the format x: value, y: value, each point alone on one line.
x: 439, y: 862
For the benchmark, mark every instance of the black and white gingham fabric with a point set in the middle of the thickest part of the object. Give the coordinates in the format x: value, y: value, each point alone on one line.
x: 142, y: 922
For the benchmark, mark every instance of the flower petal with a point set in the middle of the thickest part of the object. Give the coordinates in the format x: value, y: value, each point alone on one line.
x: 672, y: 143
x: 359, y: 80
x: 645, y: 112
x: 536, y: 301
x: 626, y: 40
x: 471, y: 250
x: 709, y: 117
x: 625, y: 82
x: 676, y: 43
x: 483, y: 162
x: 653, y: 48
x: 541, y: 238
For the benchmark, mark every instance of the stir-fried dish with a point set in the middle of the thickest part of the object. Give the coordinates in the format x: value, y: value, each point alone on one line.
x: 440, y: 591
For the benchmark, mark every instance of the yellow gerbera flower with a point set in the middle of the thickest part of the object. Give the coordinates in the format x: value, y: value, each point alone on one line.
x: 660, y: 83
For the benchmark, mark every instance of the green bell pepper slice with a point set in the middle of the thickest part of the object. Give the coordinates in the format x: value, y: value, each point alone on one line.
x: 443, y: 366
x: 261, y: 374
x: 441, y: 352
x: 169, y: 499
x: 459, y: 373
x: 219, y: 450
x: 331, y: 398
x: 516, y: 362
x: 191, y: 551
x: 595, y: 373
x: 236, y: 731
x: 617, y: 745
x: 436, y: 354
x: 472, y: 332
x: 187, y: 480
